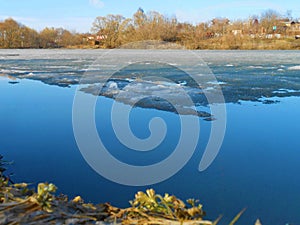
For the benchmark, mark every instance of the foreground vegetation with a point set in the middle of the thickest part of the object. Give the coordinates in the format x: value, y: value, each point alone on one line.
x: 21, y: 205
x: 268, y: 31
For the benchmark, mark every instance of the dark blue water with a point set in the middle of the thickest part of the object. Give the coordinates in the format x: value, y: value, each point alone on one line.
x: 257, y: 167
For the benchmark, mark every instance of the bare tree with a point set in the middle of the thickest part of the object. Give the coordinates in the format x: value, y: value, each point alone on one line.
x: 270, y: 20
x: 109, y: 28
x: 49, y: 38
x: 10, y: 34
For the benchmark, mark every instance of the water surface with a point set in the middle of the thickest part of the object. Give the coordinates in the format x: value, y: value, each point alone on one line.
x: 258, y: 163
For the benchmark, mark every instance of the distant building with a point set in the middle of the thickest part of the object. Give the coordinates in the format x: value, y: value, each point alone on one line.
x: 295, y: 26
x: 101, y: 37
x: 291, y: 27
x: 291, y: 24
x: 94, y: 39
x: 254, y: 26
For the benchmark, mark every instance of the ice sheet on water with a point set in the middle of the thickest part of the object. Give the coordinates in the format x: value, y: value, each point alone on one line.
x: 242, y: 75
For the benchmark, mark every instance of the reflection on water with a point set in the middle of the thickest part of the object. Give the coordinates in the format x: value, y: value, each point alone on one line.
x: 256, y: 168
x: 153, y: 85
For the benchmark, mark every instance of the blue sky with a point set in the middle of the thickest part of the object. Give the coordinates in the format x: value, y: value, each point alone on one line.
x: 79, y: 14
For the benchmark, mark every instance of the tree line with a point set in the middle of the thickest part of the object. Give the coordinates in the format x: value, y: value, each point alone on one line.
x: 116, y: 30
x: 16, y: 35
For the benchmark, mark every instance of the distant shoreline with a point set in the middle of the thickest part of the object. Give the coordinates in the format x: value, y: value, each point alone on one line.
x: 270, y: 31
x: 277, y: 45
x: 257, y: 44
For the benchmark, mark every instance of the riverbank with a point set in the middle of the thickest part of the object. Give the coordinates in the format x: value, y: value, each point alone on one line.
x: 227, y: 42
x: 221, y: 43
x: 239, y: 43
x: 22, y: 204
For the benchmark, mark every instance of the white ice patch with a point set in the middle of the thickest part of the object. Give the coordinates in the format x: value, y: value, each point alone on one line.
x: 255, y: 67
x: 13, y: 71
x: 216, y: 82
x: 208, y: 89
x: 284, y: 91
x: 294, y: 68
x: 112, y: 85
x: 58, y: 67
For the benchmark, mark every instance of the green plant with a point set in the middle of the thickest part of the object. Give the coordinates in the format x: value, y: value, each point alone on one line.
x: 44, y: 195
x: 168, y: 206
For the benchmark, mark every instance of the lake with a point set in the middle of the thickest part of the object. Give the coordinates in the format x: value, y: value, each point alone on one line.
x: 257, y: 164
